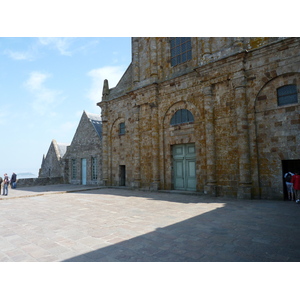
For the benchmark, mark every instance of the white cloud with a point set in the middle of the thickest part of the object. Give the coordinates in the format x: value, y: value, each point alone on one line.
x: 61, y: 44
x: 19, y: 55
x: 64, y: 45
x: 36, y: 80
x: 112, y: 73
x: 44, y: 99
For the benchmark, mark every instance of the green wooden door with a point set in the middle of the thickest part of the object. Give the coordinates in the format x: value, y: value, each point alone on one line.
x: 184, y: 167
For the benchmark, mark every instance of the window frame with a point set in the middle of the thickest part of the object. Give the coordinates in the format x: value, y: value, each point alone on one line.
x: 281, y: 94
x: 179, y: 117
x: 180, y: 50
x: 122, y: 128
x: 94, y: 168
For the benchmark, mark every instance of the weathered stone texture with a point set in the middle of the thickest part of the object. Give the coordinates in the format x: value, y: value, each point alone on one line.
x: 240, y: 133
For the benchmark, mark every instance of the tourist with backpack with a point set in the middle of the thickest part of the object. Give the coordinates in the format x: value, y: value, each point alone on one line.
x: 289, y: 185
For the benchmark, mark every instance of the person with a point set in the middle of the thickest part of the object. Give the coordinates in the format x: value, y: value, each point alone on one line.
x: 5, y: 184
x: 13, y: 180
x: 289, y: 186
x: 1, y: 180
x: 296, y: 186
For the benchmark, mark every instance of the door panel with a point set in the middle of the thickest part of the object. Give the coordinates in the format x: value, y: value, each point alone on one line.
x: 179, y: 150
x: 83, y: 171
x: 190, y: 150
x: 191, y: 175
x: 184, y: 164
x: 179, y: 174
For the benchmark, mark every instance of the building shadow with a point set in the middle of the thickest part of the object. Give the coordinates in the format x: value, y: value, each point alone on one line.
x: 171, y: 196
x: 264, y: 231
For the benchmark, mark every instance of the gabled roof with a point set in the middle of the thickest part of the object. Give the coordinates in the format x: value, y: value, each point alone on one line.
x: 62, y: 148
x: 59, y: 148
x: 96, y: 121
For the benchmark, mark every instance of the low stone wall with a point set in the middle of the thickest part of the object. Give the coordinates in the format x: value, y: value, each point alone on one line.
x: 39, y: 181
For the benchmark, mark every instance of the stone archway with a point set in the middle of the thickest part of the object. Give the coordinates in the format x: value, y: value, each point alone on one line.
x: 177, y: 137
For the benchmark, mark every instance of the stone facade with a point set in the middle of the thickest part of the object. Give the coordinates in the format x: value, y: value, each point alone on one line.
x: 83, y: 158
x: 52, y: 163
x: 240, y: 140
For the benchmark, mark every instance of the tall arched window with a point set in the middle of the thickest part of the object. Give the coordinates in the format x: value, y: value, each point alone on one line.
x: 182, y: 116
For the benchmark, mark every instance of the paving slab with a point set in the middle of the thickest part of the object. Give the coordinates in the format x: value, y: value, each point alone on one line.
x: 71, y: 223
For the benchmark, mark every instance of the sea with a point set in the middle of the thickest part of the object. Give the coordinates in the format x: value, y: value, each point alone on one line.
x: 26, y: 175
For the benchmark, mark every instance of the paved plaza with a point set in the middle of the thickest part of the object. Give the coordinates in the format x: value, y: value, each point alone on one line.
x: 67, y: 223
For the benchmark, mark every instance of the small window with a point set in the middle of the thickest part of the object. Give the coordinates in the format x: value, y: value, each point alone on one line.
x: 122, y: 128
x: 181, y: 50
x: 94, y: 168
x: 182, y: 116
x: 287, y: 94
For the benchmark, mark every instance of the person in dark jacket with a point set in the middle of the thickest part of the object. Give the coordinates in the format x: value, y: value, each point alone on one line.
x: 13, y: 180
x: 289, y: 186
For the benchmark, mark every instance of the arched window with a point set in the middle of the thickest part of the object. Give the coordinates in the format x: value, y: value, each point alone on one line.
x: 287, y: 94
x: 182, y: 116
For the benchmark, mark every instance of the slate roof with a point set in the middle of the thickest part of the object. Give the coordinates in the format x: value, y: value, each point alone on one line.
x: 97, y: 123
x: 62, y: 148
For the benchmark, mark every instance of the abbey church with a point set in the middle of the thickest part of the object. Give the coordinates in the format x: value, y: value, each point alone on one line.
x: 214, y: 115
x: 219, y: 116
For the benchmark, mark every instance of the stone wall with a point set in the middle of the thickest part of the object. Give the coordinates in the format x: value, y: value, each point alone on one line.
x: 25, y: 182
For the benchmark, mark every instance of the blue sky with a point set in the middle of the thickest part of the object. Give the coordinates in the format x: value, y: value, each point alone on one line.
x: 45, y: 84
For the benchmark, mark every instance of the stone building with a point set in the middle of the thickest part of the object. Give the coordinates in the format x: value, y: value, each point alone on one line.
x: 82, y: 160
x: 214, y: 115
x: 52, y: 165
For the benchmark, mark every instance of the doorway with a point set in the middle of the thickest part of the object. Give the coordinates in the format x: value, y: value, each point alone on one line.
x: 184, y: 167
x: 122, y: 172
x: 292, y: 165
x: 83, y: 171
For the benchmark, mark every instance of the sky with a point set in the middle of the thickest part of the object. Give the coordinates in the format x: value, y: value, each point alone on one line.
x: 45, y: 85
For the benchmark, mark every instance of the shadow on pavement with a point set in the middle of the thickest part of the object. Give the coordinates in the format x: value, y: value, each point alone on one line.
x: 260, y: 231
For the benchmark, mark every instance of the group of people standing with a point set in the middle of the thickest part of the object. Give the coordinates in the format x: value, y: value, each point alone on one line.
x: 6, y: 181
x: 293, y: 186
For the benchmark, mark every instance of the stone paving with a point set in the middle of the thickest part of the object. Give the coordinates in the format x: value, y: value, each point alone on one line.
x: 88, y: 224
